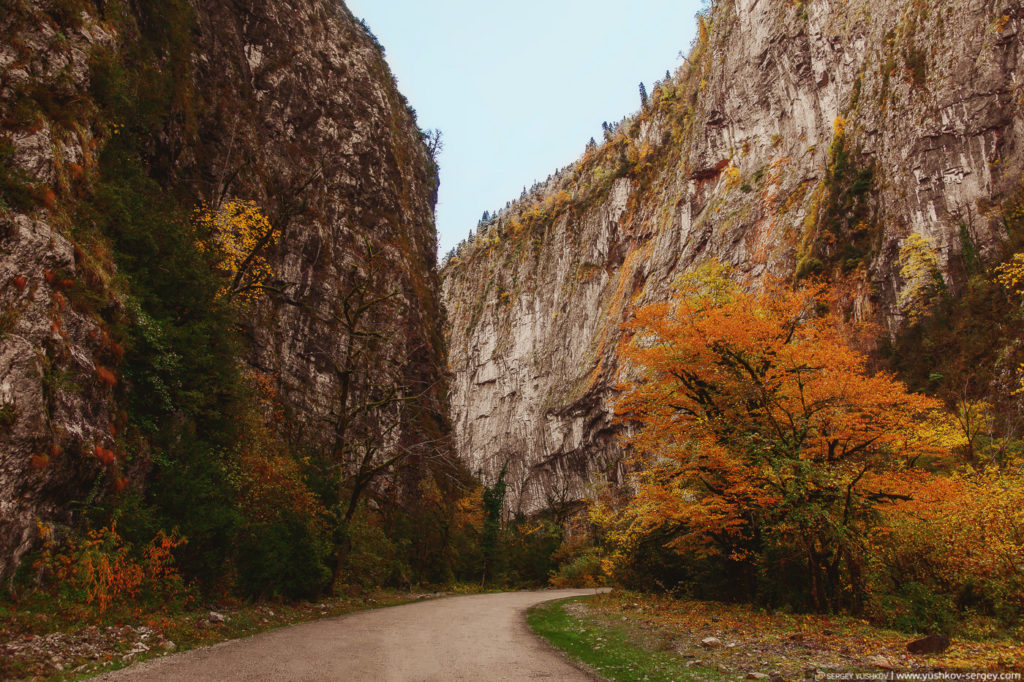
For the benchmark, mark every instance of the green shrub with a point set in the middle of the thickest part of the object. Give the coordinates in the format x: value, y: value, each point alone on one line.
x: 914, y: 607
x: 8, y: 416
x: 531, y: 551
x: 285, y: 558
x: 372, y: 559
x: 809, y: 266
x: 17, y: 191
x: 583, y: 571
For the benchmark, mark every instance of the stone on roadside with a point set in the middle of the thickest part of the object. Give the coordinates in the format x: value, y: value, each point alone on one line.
x: 711, y: 643
x: 215, y: 617
x: 882, y: 662
x: 757, y: 676
x: 932, y: 644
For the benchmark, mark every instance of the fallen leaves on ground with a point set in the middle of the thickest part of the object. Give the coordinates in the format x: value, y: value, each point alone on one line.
x: 786, y: 646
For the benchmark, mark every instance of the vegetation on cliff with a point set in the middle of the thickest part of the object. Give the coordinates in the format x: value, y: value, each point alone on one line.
x: 800, y: 144
x: 209, y: 483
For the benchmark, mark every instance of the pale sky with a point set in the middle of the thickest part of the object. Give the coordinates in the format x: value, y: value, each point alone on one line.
x: 518, y: 88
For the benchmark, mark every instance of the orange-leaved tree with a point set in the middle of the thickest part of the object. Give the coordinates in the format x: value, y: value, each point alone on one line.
x: 760, y: 435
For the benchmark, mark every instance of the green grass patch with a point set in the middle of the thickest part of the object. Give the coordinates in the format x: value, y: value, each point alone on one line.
x: 611, y: 650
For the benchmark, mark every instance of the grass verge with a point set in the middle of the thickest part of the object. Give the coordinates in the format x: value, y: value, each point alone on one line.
x: 746, y: 642
x: 611, y: 650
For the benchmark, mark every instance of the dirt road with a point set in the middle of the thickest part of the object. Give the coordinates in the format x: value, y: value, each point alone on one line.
x: 479, y: 637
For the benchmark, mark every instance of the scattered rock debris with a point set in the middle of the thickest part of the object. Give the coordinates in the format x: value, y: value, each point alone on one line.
x: 747, y: 643
x: 89, y: 648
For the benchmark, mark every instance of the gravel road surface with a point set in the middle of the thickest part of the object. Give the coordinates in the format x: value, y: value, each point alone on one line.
x: 479, y: 637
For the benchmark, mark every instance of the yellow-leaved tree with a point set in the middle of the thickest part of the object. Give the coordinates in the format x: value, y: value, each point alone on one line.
x: 1011, y: 276
x: 957, y: 539
x: 919, y: 268
x: 239, y: 234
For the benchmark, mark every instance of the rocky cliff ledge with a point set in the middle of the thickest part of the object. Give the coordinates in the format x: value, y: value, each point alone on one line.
x: 288, y: 104
x: 799, y: 138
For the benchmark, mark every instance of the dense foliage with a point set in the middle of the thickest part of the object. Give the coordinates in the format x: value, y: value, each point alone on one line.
x: 209, y: 490
x: 773, y: 466
x: 771, y: 463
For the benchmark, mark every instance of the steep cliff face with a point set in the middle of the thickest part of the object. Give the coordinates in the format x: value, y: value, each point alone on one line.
x: 56, y: 407
x: 301, y: 114
x: 799, y: 138
x: 287, y: 104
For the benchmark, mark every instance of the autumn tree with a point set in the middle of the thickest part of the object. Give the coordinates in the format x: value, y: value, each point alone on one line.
x: 1010, y: 275
x: 374, y: 401
x: 761, y: 437
x: 364, y: 366
x: 239, y: 233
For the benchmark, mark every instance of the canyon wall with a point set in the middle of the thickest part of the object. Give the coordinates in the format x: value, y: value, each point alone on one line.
x: 286, y: 104
x: 798, y: 139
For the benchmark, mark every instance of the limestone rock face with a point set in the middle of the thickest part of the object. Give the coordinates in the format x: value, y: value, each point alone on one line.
x: 292, y: 106
x: 799, y: 138
x: 55, y: 408
x: 302, y: 115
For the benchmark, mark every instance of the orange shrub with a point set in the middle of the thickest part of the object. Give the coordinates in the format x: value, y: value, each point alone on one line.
x: 102, y: 569
x: 105, y: 456
x: 959, y: 537
x: 106, y: 377
x: 48, y: 198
